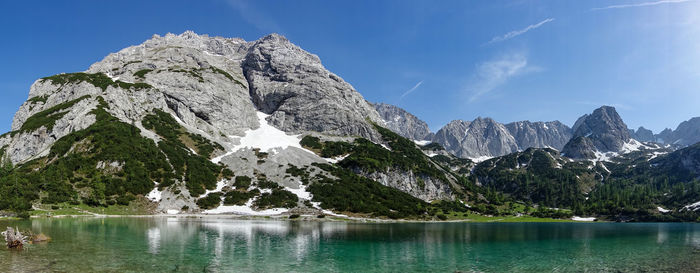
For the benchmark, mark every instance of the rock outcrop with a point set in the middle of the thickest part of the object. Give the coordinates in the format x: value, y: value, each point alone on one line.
x: 403, y: 123
x: 687, y: 133
x: 480, y: 138
x: 293, y: 87
x: 642, y: 134
x: 484, y: 137
x: 552, y: 134
x: 601, y: 132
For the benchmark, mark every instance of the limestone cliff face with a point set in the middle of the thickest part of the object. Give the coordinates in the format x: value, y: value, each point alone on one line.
x: 482, y: 137
x: 293, y: 87
x: 212, y: 84
x: 528, y: 134
x: 403, y: 123
x: 214, y: 87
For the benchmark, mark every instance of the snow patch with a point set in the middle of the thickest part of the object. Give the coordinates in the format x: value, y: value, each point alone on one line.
x: 172, y: 211
x: 694, y: 206
x: 632, y: 146
x: 583, y: 219
x: 300, y: 192
x: 155, y: 195
x: 336, y: 159
x: 246, y: 209
x: 114, y: 79
x: 422, y: 142
x: 480, y: 158
x: 267, y: 138
x: 662, y: 210
x: 219, y: 187
x: 217, y: 159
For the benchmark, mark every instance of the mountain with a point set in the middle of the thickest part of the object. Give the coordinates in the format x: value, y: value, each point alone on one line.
x: 642, y: 134
x: 553, y: 134
x: 478, y: 139
x: 485, y: 138
x: 197, y: 124
x: 687, y: 133
x: 194, y: 123
x: 600, y: 132
x: 403, y: 123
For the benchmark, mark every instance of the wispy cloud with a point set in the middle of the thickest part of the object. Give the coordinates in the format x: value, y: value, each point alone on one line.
x: 494, y: 73
x: 519, y: 32
x: 409, y: 91
x: 253, y: 16
x: 643, y: 4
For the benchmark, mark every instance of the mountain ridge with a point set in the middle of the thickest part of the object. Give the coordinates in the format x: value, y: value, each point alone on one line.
x: 196, y: 124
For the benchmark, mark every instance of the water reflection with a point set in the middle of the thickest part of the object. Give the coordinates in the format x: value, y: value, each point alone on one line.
x: 221, y: 245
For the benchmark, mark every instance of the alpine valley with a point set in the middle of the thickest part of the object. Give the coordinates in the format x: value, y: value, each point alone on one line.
x: 193, y: 124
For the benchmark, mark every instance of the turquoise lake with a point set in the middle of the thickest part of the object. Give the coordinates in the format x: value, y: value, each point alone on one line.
x: 161, y: 244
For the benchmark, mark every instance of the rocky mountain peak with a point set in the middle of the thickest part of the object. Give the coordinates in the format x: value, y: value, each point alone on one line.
x: 643, y: 134
x: 599, y: 133
x: 604, y: 127
x: 403, y: 123
x: 687, y: 133
x: 539, y: 134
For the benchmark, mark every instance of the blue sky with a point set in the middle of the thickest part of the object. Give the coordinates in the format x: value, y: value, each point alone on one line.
x: 440, y: 60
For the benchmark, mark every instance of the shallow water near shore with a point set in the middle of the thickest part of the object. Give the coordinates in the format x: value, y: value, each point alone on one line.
x: 162, y: 244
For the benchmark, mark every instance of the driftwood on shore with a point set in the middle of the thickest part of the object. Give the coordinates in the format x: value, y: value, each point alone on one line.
x: 14, y: 238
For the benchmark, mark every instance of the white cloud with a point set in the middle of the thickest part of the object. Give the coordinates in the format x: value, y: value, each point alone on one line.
x: 253, y: 16
x: 409, y: 91
x: 515, y: 33
x: 494, y: 73
x: 643, y: 4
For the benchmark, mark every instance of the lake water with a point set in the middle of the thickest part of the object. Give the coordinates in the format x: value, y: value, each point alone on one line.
x: 229, y: 245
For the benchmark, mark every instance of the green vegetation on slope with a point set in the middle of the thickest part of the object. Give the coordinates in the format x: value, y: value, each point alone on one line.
x: 199, y: 173
x: 357, y: 194
x: 370, y: 157
x: 97, y: 79
x: 49, y: 116
x: 110, y: 163
x: 142, y: 73
x: 535, y: 176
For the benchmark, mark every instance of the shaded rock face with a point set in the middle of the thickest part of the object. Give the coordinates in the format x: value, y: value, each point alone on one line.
x: 293, y: 87
x: 602, y: 131
x: 604, y: 128
x: 642, y: 134
x: 528, y: 134
x: 579, y: 148
x: 403, y: 123
x: 665, y: 136
x: 687, y: 133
